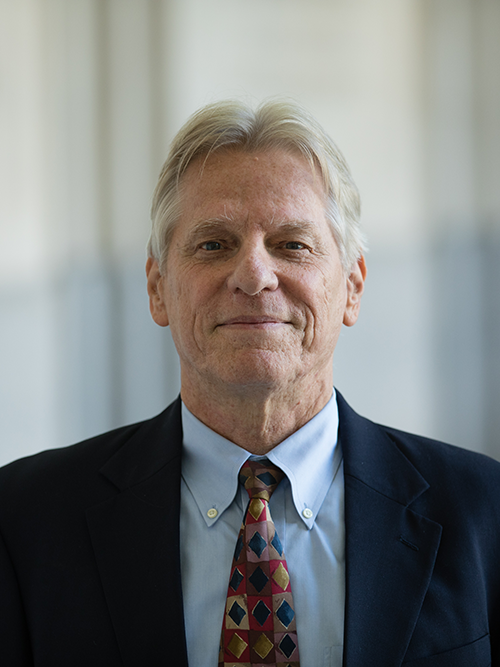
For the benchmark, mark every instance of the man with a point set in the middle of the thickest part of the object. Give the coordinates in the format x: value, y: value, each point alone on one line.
x: 118, y: 551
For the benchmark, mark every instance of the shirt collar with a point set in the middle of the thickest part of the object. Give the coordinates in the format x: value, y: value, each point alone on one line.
x: 310, y: 458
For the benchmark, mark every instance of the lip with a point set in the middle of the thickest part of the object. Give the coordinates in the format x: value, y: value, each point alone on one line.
x: 253, y: 322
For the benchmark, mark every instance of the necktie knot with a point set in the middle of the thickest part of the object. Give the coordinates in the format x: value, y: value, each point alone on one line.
x: 260, y: 478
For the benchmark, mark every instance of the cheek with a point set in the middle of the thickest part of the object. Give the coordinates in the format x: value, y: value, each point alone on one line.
x: 327, y: 294
x: 178, y: 307
x: 327, y: 305
x: 189, y: 302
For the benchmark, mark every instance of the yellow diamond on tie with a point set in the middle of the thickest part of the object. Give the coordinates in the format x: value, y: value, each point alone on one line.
x: 263, y: 646
x: 255, y: 508
x: 281, y: 576
x: 237, y: 645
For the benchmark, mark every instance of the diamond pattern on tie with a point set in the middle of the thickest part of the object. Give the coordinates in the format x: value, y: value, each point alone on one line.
x: 281, y: 576
x: 267, y: 478
x: 287, y: 646
x: 257, y: 544
x: 237, y: 613
x: 277, y: 544
x: 238, y: 548
x: 236, y: 579
x: 237, y: 645
x: 256, y: 507
x: 285, y: 613
x: 263, y: 646
x: 258, y: 579
x: 259, y: 623
x: 261, y: 612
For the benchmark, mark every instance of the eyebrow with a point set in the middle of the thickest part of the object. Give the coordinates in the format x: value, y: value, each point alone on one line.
x: 297, y: 226
x: 210, y: 223
x: 286, y: 226
x: 210, y: 226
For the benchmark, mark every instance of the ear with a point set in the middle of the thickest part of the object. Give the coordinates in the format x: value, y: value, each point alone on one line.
x: 355, y: 287
x: 157, y: 304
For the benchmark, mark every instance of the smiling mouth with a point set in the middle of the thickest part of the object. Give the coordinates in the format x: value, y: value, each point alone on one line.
x: 249, y: 322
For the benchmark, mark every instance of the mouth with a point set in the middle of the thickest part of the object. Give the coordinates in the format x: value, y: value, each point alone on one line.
x: 253, y: 322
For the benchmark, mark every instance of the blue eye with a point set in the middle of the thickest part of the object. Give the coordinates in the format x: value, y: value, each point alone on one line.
x: 211, y: 245
x: 294, y: 245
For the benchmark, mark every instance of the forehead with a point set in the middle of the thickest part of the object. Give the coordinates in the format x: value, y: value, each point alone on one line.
x: 275, y: 182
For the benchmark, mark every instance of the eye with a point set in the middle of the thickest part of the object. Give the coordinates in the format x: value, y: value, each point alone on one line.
x: 211, y: 245
x: 294, y: 245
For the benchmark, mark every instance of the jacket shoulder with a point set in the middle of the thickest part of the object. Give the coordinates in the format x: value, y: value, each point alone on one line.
x: 455, y: 477
x: 367, y: 439
x: 444, y: 461
x: 66, y: 471
x: 89, y: 453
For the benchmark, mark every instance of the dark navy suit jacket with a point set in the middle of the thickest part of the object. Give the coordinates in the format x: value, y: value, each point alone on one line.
x: 90, y: 567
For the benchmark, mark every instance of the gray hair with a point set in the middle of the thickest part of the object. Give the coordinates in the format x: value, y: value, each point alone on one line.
x: 275, y: 124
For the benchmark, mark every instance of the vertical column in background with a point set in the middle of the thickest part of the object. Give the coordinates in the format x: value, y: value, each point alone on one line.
x: 144, y: 362
x: 487, y: 109
x: 453, y: 223
x: 75, y: 176
x: 27, y: 385
x: 111, y: 357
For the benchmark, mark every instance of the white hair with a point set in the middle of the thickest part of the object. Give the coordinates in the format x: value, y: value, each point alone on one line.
x: 275, y: 124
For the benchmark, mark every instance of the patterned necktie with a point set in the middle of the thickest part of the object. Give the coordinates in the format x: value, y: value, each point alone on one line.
x: 259, y: 622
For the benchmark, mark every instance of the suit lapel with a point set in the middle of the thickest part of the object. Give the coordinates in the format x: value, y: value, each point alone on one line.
x: 135, y: 535
x: 390, y: 549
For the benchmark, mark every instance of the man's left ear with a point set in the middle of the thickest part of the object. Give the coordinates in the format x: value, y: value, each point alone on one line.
x: 355, y: 287
x: 157, y: 304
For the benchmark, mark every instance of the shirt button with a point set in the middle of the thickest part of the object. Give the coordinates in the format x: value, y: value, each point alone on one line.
x: 307, y: 513
x: 212, y: 513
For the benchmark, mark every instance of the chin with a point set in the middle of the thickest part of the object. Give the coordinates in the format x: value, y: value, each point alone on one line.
x: 259, y: 369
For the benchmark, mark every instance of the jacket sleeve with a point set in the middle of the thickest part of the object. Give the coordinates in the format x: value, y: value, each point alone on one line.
x: 15, y: 646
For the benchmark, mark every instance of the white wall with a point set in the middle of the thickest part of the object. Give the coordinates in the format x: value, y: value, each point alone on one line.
x: 91, y: 93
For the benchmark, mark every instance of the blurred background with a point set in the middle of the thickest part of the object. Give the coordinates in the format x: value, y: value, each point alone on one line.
x: 92, y: 91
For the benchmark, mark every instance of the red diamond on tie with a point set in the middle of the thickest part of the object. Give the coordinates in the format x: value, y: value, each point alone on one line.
x: 259, y: 621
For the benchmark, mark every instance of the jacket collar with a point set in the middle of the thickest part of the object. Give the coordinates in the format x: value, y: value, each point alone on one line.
x: 154, y: 446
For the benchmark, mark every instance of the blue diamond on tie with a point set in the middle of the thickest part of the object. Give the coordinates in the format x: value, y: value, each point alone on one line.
x: 267, y: 478
x: 277, y: 544
x: 261, y: 612
x: 287, y: 646
x: 285, y: 613
x: 257, y: 544
x: 237, y: 613
x: 239, y: 547
x: 258, y: 579
x: 236, y: 579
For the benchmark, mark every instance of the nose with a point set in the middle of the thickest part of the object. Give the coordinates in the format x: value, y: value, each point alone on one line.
x: 253, y: 270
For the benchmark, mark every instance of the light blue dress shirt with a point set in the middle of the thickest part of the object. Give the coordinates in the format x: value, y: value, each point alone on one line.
x: 308, y: 511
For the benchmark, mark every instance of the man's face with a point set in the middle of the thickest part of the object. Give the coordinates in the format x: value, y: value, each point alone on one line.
x: 253, y: 290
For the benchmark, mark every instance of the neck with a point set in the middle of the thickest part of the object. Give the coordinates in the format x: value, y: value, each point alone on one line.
x: 255, y: 419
